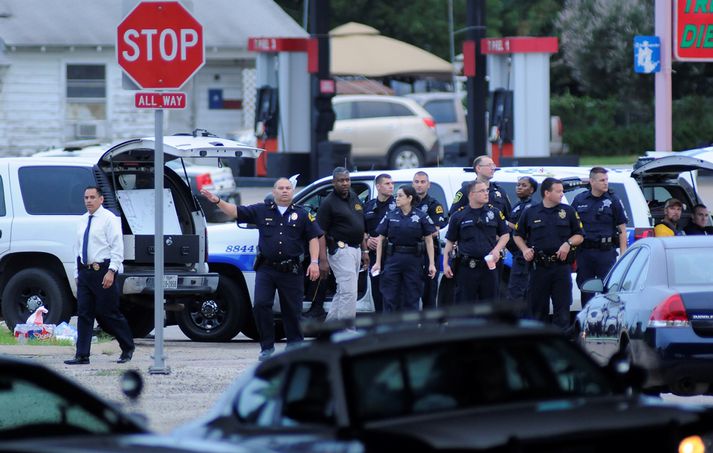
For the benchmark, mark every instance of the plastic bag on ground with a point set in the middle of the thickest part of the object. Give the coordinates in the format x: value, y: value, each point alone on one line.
x: 65, y: 331
x: 24, y: 332
x: 37, y: 316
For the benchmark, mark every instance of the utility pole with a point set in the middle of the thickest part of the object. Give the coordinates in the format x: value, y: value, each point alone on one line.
x: 477, y: 88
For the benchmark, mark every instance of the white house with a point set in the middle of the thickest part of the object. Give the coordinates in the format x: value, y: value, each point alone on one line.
x: 60, y: 81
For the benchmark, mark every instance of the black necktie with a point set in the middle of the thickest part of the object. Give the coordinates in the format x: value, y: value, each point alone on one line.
x: 86, y: 240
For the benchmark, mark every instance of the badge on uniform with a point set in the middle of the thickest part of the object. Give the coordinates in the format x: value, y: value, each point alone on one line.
x: 293, y: 217
x: 490, y: 215
x: 357, y: 207
x: 95, y: 266
x: 472, y: 264
x: 562, y: 214
x: 414, y: 218
x: 341, y: 244
x: 392, y: 206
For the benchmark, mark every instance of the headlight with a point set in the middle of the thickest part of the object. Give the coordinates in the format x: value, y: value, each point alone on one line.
x: 692, y: 444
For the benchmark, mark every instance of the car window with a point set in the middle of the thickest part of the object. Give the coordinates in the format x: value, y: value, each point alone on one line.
x: 258, y: 401
x: 343, y: 110
x: 379, y: 109
x: 442, y: 110
x: 54, y: 190
x: 312, y: 201
x: 308, y: 396
x: 3, y: 210
x: 687, y: 266
x: 470, y: 373
x: 26, y: 404
x: 636, y: 274
x: 614, y: 279
x: 436, y: 191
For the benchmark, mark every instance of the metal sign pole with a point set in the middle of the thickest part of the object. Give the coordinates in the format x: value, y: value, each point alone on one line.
x: 159, y: 366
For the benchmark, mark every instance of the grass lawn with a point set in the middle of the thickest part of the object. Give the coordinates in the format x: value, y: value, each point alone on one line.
x: 604, y: 161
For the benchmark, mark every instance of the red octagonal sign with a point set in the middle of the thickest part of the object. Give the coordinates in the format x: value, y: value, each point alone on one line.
x: 160, y: 45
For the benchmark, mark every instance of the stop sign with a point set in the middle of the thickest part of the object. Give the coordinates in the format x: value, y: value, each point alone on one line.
x: 160, y: 45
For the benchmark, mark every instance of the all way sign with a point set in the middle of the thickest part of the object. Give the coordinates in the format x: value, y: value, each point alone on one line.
x: 171, y: 100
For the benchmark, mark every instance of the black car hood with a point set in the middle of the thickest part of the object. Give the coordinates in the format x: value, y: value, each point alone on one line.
x: 119, y: 443
x: 604, y: 424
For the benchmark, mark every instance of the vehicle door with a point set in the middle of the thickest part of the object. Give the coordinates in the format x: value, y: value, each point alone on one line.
x: 449, y: 124
x: 670, y: 177
x: 5, y: 210
x: 310, y: 199
x: 601, y: 311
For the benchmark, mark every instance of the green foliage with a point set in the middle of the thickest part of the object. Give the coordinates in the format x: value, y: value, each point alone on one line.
x: 619, y: 126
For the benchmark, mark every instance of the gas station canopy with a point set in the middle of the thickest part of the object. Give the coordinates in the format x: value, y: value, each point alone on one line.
x: 358, y: 49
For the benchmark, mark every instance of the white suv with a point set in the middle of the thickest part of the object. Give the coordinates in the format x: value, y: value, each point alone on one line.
x: 41, y: 200
x: 387, y: 131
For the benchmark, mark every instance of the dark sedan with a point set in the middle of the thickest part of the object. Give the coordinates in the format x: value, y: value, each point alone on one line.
x: 656, y: 306
x: 462, y: 384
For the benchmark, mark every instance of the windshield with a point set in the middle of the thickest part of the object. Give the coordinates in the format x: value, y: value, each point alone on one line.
x: 32, y: 410
x: 685, y: 267
x: 469, y: 374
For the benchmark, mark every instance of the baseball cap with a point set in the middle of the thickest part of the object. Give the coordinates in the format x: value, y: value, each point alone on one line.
x: 673, y: 202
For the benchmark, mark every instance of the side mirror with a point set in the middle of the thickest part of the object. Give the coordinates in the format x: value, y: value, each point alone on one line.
x: 594, y: 285
x: 625, y: 373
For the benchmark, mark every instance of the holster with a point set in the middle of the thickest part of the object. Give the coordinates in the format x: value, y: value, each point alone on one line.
x: 331, y: 245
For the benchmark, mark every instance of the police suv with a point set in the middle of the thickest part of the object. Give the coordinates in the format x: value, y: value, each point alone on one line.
x: 232, y: 250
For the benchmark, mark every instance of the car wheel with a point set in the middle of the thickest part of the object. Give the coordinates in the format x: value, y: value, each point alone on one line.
x: 140, y: 319
x: 32, y: 288
x: 215, y: 317
x: 406, y: 156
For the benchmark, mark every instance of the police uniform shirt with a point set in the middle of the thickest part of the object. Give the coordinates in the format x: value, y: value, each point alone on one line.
x: 599, y: 215
x: 282, y: 236
x: 105, y: 242
x: 496, y: 197
x: 518, y: 209
x: 547, y: 229
x: 476, y: 230
x: 431, y: 207
x: 405, y: 230
x: 374, y: 211
x: 342, y: 218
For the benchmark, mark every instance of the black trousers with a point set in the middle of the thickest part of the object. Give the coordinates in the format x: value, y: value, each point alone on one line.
x: 290, y: 288
x: 430, y: 285
x: 593, y: 263
x: 95, y: 302
x: 477, y: 284
x: 554, y: 281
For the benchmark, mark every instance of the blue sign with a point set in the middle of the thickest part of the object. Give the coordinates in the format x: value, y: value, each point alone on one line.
x: 647, y: 54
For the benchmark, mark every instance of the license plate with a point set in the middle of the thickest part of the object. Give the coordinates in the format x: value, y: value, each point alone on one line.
x: 170, y: 282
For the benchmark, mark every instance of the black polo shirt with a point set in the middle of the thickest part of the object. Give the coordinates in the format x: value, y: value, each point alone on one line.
x: 342, y: 218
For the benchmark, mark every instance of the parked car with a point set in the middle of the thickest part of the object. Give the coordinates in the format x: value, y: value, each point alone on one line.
x: 42, y: 200
x: 658, y: 312
x: 448, y: 110
x: 442, y: 383
x: 218, y: 179
x: 387, y: 131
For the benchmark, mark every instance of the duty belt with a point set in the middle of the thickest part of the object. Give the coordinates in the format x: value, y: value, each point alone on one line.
x: 547, y: 260
x: 602, y: 244
x: 405, y: 249
x: 472, y: 262
x: 289, y: 265
x: 344, y: 244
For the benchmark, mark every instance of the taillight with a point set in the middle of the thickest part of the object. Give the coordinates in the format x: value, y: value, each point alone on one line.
x: 669, y: 313
x: 640, y: 233
x: 429, y: 122
x: 203, y: 180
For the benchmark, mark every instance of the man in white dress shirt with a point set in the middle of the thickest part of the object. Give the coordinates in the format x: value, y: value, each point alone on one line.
x: 99, y: 251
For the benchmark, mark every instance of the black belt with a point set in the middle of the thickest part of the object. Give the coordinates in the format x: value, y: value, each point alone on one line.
x: 472, y: 262
x: 94, y: 266
x: 603, y: 244
x: 343, y: 244
x: 288, y: 265
x: 405, y: 249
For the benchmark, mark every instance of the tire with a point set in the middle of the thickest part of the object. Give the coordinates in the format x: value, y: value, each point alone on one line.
x: 405, y: 157
x: 140, y: 319
x: 216, y: 317
x: 31, y: 288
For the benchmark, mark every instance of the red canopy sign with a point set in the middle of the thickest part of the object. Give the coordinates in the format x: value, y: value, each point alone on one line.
x: 160, y: 45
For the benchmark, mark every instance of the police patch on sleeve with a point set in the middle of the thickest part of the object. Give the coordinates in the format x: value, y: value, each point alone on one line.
x: 439, y: 209
x: 502, y: 216
x: 458, y: 196
x: 311, y: 216
x: 357, y: 207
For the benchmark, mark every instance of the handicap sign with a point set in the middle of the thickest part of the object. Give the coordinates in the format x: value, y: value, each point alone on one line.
x: 647, y: 54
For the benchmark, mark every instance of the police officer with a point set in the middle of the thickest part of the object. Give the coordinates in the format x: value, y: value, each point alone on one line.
x: 484, y: 168
x: 604, y: 220
x: 375, y: 210
x: 284, y: 230
x: 480, y: 231
x: 520, y: 269
x: 100, y: 252
x: 341, y: 216
x: 546, y: 234
x: 431, y: 207
x: 407, y: 234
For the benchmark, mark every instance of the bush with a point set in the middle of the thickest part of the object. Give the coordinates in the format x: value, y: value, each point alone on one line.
x: 613, y: 126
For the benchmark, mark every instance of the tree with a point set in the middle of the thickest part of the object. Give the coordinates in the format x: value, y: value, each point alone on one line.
x: 596, y: 39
